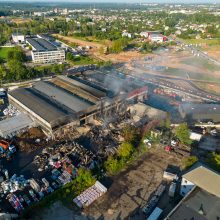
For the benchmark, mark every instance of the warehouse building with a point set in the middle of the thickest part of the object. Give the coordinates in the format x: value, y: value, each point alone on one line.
x: 44, y: 51
x: 200, y: 112
x: 201, y: 195
x: 63, y: 100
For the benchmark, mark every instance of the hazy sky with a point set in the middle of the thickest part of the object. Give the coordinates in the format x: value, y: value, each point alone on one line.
x: 125, y: 1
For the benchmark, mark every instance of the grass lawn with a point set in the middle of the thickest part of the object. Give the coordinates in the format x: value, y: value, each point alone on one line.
x: 203, y: 41
x: 4, y: 52
x: 83, y: 60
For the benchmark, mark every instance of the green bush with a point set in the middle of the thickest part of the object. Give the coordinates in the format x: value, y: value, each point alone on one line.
x: 189, y: 161
x: 214, y: 161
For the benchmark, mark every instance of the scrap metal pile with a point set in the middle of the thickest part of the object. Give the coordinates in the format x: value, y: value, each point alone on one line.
x: 102, y: 142
x: 13, y: 184
x: 60, y: 154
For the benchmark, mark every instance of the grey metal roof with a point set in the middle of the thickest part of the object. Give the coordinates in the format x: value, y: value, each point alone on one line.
x: 201, y: 108
x: 97, y: 93
x: 41, y: 107
x: 41, y: 44
x: 59, y: 95
x: 199, y: 205
x: 14, y: 124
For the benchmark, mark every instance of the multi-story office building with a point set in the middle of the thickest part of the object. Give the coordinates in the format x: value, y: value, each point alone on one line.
x: 44, y: 51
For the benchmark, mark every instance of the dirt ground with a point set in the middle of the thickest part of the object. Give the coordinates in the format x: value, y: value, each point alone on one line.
x: 213, y: 51
x: 129, y: 190
x: 95, y: 51
x: 209, y: 87
x: 21, y: 20
x: 27, y: 140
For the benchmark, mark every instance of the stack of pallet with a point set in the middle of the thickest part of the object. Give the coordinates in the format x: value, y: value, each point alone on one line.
x: 90, y: 195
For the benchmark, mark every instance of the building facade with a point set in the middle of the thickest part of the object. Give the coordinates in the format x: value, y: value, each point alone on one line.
x: 48, y: 56
x: 43, y: 51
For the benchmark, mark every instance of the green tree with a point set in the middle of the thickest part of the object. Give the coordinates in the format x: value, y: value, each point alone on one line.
x: 125, y: 150
x: 16, y: 54
x: 130, y: 134
x: 182, y: 132
x: 214, y: 161
x: 112, y: 165
x: 189, y: 161
x: 84, y: 178
x: 3, y: 72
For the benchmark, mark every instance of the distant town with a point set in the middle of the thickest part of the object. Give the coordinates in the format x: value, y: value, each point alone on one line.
x: 109, y: 111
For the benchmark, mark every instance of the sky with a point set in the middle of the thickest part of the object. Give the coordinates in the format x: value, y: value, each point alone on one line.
x: 125, y: 1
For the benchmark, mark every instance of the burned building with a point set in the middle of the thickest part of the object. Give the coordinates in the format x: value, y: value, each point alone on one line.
x: 75, y: 99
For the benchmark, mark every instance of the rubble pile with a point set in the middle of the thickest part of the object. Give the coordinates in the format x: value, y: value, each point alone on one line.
x: 102, y: 142
x: 64, y: 155
x: 67, y: 133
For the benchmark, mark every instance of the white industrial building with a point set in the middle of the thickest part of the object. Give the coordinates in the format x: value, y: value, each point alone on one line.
x: 18, y: 38
x: 203, y: 177
x: 44, y: 51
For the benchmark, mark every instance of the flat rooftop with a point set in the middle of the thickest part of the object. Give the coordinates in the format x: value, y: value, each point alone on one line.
x: 75, y: 103
x: 41, y: 45
x: 41, y: 107
x: 14, y: 124
x: 199, y: 205
x: 204, y: 178
x: 93, y: 91
x: 113, y: 81
x: 201, y: 108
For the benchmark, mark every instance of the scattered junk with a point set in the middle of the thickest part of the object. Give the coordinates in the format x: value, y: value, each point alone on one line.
x: 6, y: 149
x: 177, y: 149
x: 15, y: 202
x: 147, y: 142
x: 90, y: 195
x: 195, y: 136
x: 72, y: 153
x: 14, y: 184
x: 174, y: 143
x: 168, y: 148
x: 11, y: 111
x: 34, y: 185
x: 33, y: 195
x: 172, y: 189
x: 155, y: 214
x: 150, y: 206
x: 169, y: 176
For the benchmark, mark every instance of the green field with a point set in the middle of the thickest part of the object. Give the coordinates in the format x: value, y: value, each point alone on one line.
x: 4, y: 52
